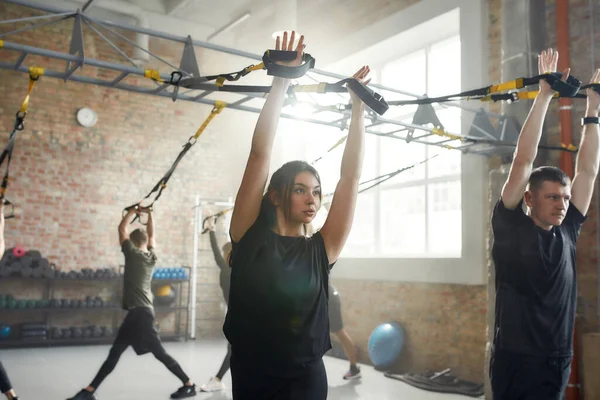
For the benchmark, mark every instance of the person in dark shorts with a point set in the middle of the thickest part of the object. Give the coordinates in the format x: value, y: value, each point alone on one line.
x: 336, y: 326
x: 5, y: 385
x: 221, y: 256
x: 534, y: 255
x: 138, y: 329
x: 277, y: 320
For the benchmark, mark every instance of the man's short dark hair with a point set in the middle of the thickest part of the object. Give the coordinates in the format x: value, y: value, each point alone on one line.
x: 138, y: 237
x: 543, y: 174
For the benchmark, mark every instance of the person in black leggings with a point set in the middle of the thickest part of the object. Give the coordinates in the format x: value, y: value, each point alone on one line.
x: 336, y: 326
x: 277, y: 320
x: 5, y: 385
x: 215, y: 384
x: 138, y: 330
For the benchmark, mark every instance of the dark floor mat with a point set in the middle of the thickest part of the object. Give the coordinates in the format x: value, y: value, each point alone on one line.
x: 441, y: 382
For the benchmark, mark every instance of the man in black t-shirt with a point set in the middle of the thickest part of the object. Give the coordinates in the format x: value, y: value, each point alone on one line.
x: 534, y: 255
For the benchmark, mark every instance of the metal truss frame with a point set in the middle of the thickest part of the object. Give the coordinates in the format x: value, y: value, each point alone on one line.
x: 482, y: 139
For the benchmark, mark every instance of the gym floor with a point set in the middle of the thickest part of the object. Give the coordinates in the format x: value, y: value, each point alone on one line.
x: 59, y: 372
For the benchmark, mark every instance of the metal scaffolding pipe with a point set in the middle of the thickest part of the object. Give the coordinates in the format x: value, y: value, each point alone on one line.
x: 222, y: 49
x: 175, y: 93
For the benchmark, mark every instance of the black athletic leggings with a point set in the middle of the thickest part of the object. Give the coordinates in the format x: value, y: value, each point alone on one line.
x: 226, y: 363
x: 157, y: 350
x: 5, y: 384
x: 250, y: 383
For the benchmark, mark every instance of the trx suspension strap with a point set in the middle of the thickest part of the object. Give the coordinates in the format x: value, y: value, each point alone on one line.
x: 162, y: 183
x: 34, y: 74
x: 570, y: 88
x: 440, y: 132
x: 371, y: 98
x: 215, y: 217
x: 382, y: 178
x: 270, y: 58
x: 338, y: 143
x: 378, y: 180
x: 595, y: 86
x: 269, y: 63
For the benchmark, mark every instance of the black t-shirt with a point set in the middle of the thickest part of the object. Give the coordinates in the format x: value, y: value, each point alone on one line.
x: 277, y: 319
x: 536, y: 282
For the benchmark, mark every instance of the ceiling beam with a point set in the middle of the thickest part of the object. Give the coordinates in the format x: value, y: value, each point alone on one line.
x: 176, y: 5
x: 87, y: 5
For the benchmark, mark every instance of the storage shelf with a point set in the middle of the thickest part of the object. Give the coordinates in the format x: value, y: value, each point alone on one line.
x: 47, y: 313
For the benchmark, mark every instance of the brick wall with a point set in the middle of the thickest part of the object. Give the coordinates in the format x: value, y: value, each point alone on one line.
x: 71, y: 183
x: 444, y: 324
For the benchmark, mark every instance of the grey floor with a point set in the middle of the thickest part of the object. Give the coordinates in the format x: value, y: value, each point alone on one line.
x: 58, y: 373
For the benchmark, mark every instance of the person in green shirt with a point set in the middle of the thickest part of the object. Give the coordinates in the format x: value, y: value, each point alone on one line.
x: 138, y: 329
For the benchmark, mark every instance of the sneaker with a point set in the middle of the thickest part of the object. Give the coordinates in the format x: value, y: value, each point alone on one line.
x: 213, y: 385
x: 353, y: 373
x: 84, y: 395
x: 184, y: 391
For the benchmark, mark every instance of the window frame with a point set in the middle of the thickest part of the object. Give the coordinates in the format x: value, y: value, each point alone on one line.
x: 470, y: 19
x: 425, y: 182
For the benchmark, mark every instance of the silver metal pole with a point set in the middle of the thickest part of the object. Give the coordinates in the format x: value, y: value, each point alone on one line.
x: 86, y: 5
x: 26, y: 19
x: 69, y: 57
x: 35, y: 26
x: 195, y: 268
x: 137, y: 89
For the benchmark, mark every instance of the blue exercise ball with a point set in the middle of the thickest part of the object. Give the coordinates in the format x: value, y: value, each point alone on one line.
x: 385, y: 344
x: 5, y: 331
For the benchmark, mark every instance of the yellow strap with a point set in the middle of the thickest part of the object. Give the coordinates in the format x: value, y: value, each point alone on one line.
x: 257, y: 67
x: 570, y: 147
x: 220, y: 81
x: 316, y: 88
x: 441, y: 132
x: 219, y: 105
x: 501, y: 87
x: 34, y: 74
x: 342, y: 140
x: 1, y: 44
x: 532, y: 95
x: 152, y: 74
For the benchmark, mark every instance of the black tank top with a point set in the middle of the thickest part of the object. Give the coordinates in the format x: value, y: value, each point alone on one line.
x: 277, y: 317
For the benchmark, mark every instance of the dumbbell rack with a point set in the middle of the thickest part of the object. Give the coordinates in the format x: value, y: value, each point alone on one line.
x: 46, y: 314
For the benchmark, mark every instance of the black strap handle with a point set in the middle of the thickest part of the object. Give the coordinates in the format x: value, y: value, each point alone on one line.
x: 283, y: 71
x: 374, y: 100
x: 569, y: 88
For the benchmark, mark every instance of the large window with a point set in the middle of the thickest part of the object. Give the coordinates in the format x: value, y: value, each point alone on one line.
x: 418, y: 212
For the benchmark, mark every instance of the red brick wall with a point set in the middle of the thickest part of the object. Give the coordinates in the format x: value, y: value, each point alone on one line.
x: 71, y: 183
x: 444, y: 324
